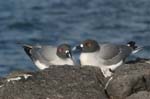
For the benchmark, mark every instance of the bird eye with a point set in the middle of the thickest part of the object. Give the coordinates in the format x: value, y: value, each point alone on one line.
x: 88, y: 44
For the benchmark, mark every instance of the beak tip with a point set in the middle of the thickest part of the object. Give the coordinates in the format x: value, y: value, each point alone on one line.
x: 74, y: 48
x: 77, y: 49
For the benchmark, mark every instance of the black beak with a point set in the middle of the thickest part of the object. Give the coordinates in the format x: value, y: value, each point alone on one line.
x: 68, y: 54
x: 77, y: 48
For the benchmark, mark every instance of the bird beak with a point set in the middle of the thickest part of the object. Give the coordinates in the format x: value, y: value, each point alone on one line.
x: 68, y: 53
x: 77, y: 48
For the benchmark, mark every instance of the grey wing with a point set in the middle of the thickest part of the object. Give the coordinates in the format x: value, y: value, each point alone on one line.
x: 44, y: 54
x: 125, y: 51
x: 112, y: 53
x: 108, y: 51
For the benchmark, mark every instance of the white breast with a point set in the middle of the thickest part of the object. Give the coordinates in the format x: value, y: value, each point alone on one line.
x: 60, y: 61
x: 93, y: 59
x: 89, y: 59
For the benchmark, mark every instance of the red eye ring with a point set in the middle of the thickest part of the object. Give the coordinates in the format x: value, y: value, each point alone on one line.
x: 88, y: 44
x: 61, y: 50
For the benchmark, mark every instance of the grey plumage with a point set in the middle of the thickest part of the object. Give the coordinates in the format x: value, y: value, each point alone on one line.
x: 46, y: 55
x: 106, y: 56
x: 113, y: 54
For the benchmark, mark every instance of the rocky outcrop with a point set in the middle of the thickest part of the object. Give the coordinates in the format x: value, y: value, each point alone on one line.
x: 57, y: 82
x: 140, y: 95
x: 130, y: 81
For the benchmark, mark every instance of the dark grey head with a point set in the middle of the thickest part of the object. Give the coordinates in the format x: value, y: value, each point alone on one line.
x: 88, y: 45
x: 132, y: 45
x: 64, y: 51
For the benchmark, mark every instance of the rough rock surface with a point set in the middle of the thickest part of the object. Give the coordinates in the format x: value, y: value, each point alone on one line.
x: 140, y: 95
x: 130, y: 81
x: 57, y: 82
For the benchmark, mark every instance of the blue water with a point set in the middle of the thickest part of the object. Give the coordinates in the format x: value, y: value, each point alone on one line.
x: 58, y: 21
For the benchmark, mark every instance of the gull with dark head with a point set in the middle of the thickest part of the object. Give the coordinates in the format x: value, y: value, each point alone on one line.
x: 106, y: 56
x: 45, y: 55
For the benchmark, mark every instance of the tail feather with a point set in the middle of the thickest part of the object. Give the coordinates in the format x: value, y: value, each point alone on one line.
x: 27, y: 49
x: 137, y: 50
x: 132, y: 44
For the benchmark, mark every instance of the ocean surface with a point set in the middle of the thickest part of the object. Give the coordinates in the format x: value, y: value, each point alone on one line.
x: 69, y: 21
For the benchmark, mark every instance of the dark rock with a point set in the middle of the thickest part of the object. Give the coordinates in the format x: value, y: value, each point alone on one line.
x: 129, y: 79
x: 140, y: 95
x: 57, y: 82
